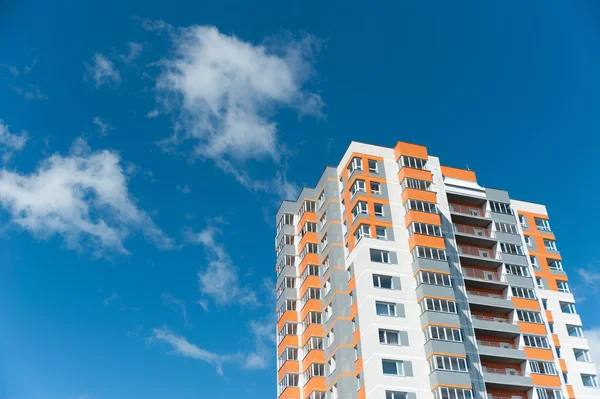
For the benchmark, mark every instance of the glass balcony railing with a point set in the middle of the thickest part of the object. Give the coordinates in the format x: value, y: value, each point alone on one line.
x: 503, y: 345
x: 469, y: 210
x: 505, y: 372
x: 472, y: 230
x: 486, y: 294
x: 482, y: 274
x: 474, y: 251
x: 492, y: 319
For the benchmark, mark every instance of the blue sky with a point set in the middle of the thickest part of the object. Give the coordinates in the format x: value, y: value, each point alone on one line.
x: 145, y: 147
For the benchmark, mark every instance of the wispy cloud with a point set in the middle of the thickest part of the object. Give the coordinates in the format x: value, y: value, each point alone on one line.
x: 182, y: 347
x: 177, y: 305
x: 222, y: 92
x: 82, y: 197
x: 263, y: 334
x: 103, y: 126
x: 219, y: 279
x: 11, y: 142
x: 593, y: 338
x: 588, y: 285
x: 152, y: 114
x: 12, y: 69
x: 31, y: 92
x: 102, y: 71
x: 185, y: 188
x: 135, y: 49
x: 110, y: 299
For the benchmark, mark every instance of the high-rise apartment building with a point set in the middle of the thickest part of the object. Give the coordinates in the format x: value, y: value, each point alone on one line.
x: 399, y: 278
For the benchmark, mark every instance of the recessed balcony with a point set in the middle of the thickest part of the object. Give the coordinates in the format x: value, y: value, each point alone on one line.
x: 489, y: 302
x: 470, y: 214
x: 474, y: 235
x: 498, y: 326
x: 476, y: 278
x: 498, y: 378
x: 470, y: 255
x: 503, y: 352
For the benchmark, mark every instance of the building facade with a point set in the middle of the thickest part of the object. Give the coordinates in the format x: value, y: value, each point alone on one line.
x: 399, y: 278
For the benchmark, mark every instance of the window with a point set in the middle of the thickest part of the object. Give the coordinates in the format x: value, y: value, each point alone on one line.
x: 448, y: 363
x: 443, y: 334
x: 558, y: 352
x: 381, y: 233
x: 385, y: 309
x: 533, y: 261
x: 317, y: 395
x: 521, y: 292
x: 331, y: 363
x: 434, y: 278
x: 359, y: 186
x: 378, y: 209
x: 381, y: 281
x: 356, y: 353
x: 506, y: 228
x: 410, y: 162
x: 392, y: 367
x: 511, y: 248
x: 453, y: 393
x: 364, y: 230
x: 425, y: 229
x: 528, y: 241
x: 544, y: 393
x: 360, y: 208
x: 420, y: 206
x: 389, y: 337
x: 416, y: 184
x: 523, y: 221
x: 327, y: 287
x: 542, y: 224
x: 567, y: 307
x: 429, y: 253
x: 582, y: 355
x: 321, y: 199
x: 589, y: 380
x: 538, y: 367
x: 289, y: 304
x: 438, y: 305
x: 550, y: 245
x: 312, y: 318
x: 554, y: 264
x: 323, y: 220
x: 539, y: 283
x: 378, y: 255
x: 287, y: 219
x: 395, y: 395
x: 535, y: 341
x: 551, y: 327
x: 566, y: 378
x: 373, y: 167
x: 314, y: 370
x: 330, y: 337
x: 287, y: 329
x: 500, y: 207
x: 563, y: 286
x: 529, y: 317
x: 288, y: 380
x: 515, y: 270
x: 288, y: 354
x: 313, y: 343
x: 574, y: 331
x: 324, y: 241
x: 545, y: 303
x: 309, y: 227
x: 375, y: 187
x: 355, y: 164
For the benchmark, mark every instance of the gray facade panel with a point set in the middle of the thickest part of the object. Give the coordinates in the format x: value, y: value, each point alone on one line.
x: 502, y: 217
x: 429, y: 317
x: 509, y: 238
x: 485, y: 350
x: 507, y: 379
x: 429, y: 264
x: 526, y: 282
x: 493, y: 194
x: 434, y: 345
x: 492, y: 302
x: 441, y: 377
x: 520, y: 260
x: 434, y: 290
x: 495, y: 326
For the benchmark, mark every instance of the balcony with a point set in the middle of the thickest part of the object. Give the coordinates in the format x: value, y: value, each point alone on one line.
x: 478, y: 256
x: 474, y: 235
x: 475, y: 278
x: 500, y: 352
x: 470, y: 214
x: 489, y: 302
x: 507, y: 379
x: 495, y: 326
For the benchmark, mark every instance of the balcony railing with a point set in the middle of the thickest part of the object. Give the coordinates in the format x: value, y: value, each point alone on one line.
x: 469, y: 210
x: 504, y: 345
x: 492, y: 319
x: 486, y: 294
x: 473, y: 251
x: 484, y: 275
x: 505, y: 372
x: 474, y: 231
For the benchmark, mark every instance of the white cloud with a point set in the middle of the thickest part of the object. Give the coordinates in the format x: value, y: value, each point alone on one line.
x: 219, y: 279
x: 10, y: 142
x: 102, y: 71
x: 32, y: 92
x: 593, y: 338
x: 103, y: 126
x: 12, y: 69
x: 110, y: 299
x: 182, y: 347
x: 223, y: 92
x: 264, y: 337
x: 82, y: 197
x: 588, y: 285
x: 152, y: 114
x: 135, y: 49
x: 177, y: 305
x: 184, y: 188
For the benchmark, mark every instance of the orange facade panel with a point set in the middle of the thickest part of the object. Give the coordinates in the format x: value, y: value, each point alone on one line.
x: 555, y: 340
x: 307, y: 217
x: 288, y: 316
x: 290, y: 393
x: 309, y: 282
x: 288, y: 340
x: 314, y: 356
x: 545, y: 380
x: 410, y: 150
x: 418, y: 174
x: 522, y: 303
x: 570, y: 392
x: 421, y: 195
x: 314, y: 384
x: 313, y: 330
x: 457, y: 173
x: 538, y: 353
x: 425, y: 241
x: 362, y: 393
x: 422, y: 217
x: 309, y: 259
x: 290, y: 366
x: 531, y: 328
x: 563, y: 365
x: 312, y: 305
